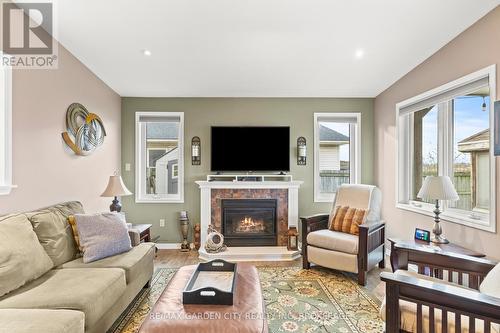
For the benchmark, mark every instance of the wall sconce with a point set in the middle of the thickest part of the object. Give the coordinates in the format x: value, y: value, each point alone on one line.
x: 301, y: 151
x: 195, y: 151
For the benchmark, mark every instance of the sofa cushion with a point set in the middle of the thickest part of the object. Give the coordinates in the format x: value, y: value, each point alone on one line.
x: 334, y: 240
x: 133, y: 262
x: 41, y: 320
x: 91, y: 290
x: 491, y: 283
x: 54, y: 232
x: 102, y: 235
x: 22, y: 258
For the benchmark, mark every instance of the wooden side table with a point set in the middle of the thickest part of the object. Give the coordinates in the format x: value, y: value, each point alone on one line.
x: 144, y: 231
x: 417, y: 250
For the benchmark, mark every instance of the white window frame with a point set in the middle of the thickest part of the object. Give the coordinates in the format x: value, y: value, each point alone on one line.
x: 354, y: 153
x: 6, y: 185
x: 141, y: 160
x: 483, y: 221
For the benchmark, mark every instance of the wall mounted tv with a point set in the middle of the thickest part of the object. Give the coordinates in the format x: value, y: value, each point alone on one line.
x: 250, y: 149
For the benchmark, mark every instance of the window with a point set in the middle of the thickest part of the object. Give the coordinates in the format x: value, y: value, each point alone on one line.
x: 5, y: 130
x: 336, y: 152
x: 159, y: 157
x: 447, y: 132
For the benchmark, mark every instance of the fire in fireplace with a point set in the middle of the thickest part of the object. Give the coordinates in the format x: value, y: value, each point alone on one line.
x: 249, y: 222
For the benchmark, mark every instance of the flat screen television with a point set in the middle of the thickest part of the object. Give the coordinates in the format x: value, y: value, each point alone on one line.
x: 250, y: 148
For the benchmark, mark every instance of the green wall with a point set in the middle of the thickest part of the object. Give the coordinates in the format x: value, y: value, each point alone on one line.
x: 201, y: 113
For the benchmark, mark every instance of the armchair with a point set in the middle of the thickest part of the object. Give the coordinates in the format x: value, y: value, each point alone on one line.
x: 343, y: 251
x: 450, y: 293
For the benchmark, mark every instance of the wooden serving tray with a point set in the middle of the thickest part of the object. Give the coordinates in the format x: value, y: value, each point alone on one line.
x: 212, y: 282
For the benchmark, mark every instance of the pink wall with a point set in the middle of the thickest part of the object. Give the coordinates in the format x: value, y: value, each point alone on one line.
x: 474, y: 49
x: 44, y: 170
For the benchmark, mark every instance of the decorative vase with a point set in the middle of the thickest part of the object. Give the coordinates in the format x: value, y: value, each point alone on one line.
x: 184, y: 222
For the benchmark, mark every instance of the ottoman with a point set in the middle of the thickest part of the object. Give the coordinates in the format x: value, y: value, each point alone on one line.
x: 246, y: 315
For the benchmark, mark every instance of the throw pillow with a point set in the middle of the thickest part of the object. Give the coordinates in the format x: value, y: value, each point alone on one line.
x: 347, y: 219
x: 72, y: 223
x: 102, y: 235
x: 22, y: 257
x: 490, y: 285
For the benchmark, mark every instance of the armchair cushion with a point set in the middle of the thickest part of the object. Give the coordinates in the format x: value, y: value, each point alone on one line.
x: 491, y: 285
x: 334, y: 240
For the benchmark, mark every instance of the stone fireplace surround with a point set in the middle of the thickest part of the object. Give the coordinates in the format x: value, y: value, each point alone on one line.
x: 285, y: 192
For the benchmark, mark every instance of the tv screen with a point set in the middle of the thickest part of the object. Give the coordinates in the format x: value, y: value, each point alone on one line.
x: 250, y: 149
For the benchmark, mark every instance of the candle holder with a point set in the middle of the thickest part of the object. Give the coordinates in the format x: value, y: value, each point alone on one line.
x: 195, y: 151
x: 301, y: 151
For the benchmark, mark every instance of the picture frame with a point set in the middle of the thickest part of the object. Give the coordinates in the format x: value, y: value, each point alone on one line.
x: 496, y: 128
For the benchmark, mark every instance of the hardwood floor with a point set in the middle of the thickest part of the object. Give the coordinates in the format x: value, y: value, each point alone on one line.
x: 176, y: 259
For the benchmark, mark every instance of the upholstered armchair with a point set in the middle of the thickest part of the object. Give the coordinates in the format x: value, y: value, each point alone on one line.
x: 345, y: 251
x: 444, y: 292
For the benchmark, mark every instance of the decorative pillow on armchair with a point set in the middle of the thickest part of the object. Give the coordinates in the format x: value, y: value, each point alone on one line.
x: 102, y: 235
x: 347, y: 219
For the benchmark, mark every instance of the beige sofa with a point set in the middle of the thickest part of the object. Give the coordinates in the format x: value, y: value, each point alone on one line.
x: 69, y: 296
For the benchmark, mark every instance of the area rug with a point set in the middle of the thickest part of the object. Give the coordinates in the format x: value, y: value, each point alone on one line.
x: 297, y: 300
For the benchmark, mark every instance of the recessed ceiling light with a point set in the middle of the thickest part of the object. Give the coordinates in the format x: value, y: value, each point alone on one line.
x: 146, y: 52
x: 359, y: 53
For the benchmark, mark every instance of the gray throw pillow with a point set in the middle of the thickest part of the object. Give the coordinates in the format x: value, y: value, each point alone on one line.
x: 102, y: 235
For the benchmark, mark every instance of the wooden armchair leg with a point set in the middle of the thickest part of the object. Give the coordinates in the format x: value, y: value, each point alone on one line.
x: 305, y: 263
x: 362, y: 278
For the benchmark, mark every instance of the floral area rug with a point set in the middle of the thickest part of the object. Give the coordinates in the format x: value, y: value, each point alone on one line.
x: 297, y: 300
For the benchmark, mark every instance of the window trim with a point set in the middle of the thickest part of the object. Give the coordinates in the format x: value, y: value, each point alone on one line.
x: 354, y: 147
x: 404, y: 155
x: 6, y: 185
x: 139, y: 196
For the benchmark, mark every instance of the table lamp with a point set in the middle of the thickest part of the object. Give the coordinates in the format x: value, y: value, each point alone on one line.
x: 438, y: 188
x: 115, y: 189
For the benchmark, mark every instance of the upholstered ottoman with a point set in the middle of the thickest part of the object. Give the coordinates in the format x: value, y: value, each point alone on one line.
x: 246, y: 315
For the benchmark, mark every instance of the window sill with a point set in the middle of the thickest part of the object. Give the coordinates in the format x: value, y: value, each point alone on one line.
x: 451, y: 217
x: 325, y: 198
x: 6, y: 189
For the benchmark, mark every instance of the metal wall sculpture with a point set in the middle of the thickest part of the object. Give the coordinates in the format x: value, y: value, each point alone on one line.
x: 86, y: 129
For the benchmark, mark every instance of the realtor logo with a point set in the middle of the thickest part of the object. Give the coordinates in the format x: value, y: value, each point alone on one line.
x: 27, y: 38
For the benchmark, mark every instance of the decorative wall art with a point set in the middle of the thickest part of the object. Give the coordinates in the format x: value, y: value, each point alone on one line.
x: 85, y: 130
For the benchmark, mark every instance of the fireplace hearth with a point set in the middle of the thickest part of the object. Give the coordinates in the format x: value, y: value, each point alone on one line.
x: 249, y: 222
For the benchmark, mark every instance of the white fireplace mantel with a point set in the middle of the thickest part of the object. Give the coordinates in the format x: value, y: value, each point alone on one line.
x: 206, y: 200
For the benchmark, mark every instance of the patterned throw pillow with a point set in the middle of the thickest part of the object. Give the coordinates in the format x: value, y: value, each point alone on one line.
x: 347, y: 219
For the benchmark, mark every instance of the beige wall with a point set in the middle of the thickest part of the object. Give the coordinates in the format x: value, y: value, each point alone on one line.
x: 44, y: 170
x: 474, y: 49
x: 201, y: 113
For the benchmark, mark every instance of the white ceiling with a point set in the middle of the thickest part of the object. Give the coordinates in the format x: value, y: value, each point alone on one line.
x: 259, y: 48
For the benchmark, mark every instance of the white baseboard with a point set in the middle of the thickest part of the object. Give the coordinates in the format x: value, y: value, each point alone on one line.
x: 168, y: 246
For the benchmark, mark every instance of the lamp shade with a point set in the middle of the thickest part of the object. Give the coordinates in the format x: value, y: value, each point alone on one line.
x: 438, y: 188
x: 115, y: 188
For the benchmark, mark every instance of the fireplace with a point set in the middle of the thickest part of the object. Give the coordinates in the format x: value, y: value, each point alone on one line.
x: 249, y: 222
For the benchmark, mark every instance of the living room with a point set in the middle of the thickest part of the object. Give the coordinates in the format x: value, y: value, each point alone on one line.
x: 188, y: 166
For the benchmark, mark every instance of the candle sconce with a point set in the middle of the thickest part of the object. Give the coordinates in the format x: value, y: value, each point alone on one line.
x: 301, y: 151
x: 195, y: 151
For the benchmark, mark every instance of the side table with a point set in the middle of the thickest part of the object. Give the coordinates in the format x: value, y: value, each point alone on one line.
x: 144, y: 231
x: 417, y: 249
